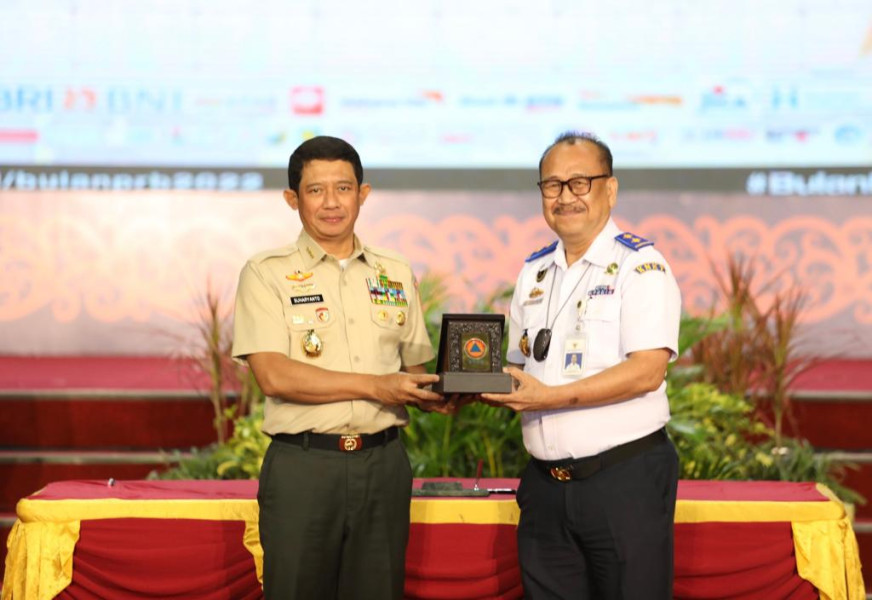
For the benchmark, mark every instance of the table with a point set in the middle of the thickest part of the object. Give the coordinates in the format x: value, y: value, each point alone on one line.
x: 198, y: 540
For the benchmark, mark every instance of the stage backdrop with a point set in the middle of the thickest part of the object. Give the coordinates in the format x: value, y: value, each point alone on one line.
x: 125, y: 272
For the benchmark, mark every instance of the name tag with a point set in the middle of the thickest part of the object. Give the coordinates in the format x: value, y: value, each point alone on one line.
x: 310, y: 299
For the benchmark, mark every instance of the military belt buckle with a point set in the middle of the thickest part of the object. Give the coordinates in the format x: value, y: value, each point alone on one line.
x: 350, y: 443
x: 561, y: 473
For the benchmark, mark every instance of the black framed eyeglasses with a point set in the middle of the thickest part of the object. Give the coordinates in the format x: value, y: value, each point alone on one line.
x: 552, y: 188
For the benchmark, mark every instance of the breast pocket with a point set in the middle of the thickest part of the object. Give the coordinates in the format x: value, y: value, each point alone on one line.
x: 602, y: 321
x: 301, y: 320
x: 534, y: 317
x: 389, y: 321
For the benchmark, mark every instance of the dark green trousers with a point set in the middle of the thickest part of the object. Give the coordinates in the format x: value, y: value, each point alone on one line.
x: 334, y: 524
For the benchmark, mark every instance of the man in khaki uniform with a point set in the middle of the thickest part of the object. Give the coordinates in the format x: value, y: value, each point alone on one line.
x: 328, y: 325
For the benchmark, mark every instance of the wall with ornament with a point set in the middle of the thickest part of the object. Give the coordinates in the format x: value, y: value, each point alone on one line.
x: 125, y: 273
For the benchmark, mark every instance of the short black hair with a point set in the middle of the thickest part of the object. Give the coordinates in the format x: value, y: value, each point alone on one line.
x: 322, y: 147
x: 578, y: 137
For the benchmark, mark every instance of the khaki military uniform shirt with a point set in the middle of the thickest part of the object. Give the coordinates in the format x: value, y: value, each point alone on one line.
x: 365, y: 323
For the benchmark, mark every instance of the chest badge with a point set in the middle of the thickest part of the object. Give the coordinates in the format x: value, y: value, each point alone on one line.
x: 524, y: 344
x: 322, y: 314
x: 312, y: 344
x: 385, y: 292
x: 612, y: 269
x: 536, y: 292
x: 541, y: 275
x: 400, y: 318
x: 298, y: 276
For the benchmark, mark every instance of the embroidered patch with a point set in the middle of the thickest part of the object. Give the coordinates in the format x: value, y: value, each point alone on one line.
x: 310, y: 299
x: 601, y: 290
x: 645, y: 267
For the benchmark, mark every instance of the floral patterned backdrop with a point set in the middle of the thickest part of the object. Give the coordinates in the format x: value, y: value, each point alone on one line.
x: 124, y: 273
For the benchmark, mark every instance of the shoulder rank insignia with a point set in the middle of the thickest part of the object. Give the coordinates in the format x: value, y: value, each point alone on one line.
x: 631, y: 240
x: 542, y: 252
x: 650, y: 266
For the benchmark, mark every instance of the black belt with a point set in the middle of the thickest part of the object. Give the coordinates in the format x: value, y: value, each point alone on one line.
x: 582, y: 468
x: 338, y: 442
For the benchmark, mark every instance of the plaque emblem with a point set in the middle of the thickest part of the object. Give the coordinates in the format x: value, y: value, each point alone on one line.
x: 475, y: 348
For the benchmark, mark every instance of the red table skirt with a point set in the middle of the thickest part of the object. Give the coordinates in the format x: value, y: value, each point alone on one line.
x: 198, y: 541
x: 203, y: 560
x: 180, y: 559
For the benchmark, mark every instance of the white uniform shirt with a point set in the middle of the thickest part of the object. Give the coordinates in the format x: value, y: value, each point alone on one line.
x: 631, y: 303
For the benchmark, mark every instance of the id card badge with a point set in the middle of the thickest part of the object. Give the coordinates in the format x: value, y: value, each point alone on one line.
x: 575, y: 354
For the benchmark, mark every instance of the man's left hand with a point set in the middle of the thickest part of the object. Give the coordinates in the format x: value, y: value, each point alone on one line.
x: 528, y: 392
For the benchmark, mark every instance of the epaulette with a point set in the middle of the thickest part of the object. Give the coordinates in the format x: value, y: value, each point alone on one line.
x: 274, y: 252
x: 387, y: 253
x: 542, y: 251
x: 633, y: 241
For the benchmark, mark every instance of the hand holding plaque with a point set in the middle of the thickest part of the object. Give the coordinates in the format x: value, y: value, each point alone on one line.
x: 470, y: 355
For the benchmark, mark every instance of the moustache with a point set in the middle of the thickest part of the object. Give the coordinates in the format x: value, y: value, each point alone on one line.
x: 568, y: 209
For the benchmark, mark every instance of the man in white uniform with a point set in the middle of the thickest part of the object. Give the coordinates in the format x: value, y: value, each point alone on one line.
x: 598, y: 497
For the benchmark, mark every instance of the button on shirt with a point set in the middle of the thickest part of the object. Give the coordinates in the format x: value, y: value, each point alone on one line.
x: 631, y: 307
x: 285, y: 293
